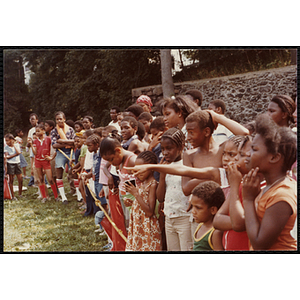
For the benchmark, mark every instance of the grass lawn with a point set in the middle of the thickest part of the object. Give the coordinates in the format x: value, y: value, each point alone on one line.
x: 32, y: 226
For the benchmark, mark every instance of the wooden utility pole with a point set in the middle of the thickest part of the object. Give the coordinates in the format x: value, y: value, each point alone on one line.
x: 166, y: 73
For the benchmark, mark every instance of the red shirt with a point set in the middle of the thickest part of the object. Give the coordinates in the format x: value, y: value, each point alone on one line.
x: 42, y: 148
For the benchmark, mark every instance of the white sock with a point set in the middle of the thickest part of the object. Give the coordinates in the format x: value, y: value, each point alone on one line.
x: 79, y: 196
x: 62, y: 193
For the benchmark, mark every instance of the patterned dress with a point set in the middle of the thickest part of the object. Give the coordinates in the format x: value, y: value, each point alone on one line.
x: 144, y: 233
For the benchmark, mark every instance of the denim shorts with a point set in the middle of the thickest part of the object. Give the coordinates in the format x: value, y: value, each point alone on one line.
x: 61, y: 160
x: 23, y: 162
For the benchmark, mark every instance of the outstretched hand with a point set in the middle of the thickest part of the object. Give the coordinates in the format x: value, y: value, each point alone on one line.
x: 251, y: 185
x: 137, y: 170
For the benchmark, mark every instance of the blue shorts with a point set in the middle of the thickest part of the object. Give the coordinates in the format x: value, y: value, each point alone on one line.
x: 61, y: 160
x: 23, y: 162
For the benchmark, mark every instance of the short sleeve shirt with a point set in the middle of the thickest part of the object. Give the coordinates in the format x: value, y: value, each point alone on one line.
x: 11, y: 151
x: 42, y: 147
x: 70, y: 135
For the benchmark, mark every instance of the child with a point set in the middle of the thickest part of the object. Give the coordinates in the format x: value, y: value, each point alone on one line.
x: 78, y: 144
x: 93, y: 144
x: 175, y: 112
x: 145, y: 102
x: 169, y: 191
x: 88, y: 122
x: 281, y: 109
x: 146, y: 119
x: 62, y: 138
x: 207, y: 198
x: 33, y: 119
x: 129, y: 127
x: 230, y: 218
x: 206, y: 153
x: 23, y: 163
x: 144, y: 233
x: 112, y: 151
x: 78, y: 126
x: 270, y: 213
x: 12, y: 153
x: 41, y: 148
x: 49, y: 126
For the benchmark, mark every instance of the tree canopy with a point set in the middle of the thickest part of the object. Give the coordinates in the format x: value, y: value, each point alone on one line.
x: 91, y: 81
x: 81, y: 81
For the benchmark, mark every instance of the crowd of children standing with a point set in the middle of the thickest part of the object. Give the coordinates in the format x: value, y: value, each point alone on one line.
x: 186, y: 179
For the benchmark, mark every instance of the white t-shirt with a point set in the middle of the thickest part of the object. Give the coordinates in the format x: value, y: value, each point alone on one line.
x: 116, y: 125
x: 221, y: 134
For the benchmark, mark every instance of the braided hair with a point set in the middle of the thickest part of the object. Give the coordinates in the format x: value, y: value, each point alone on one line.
x: 176, y: 135
x: 148, y: 157
x: 94, y: 139
x: 236, y: 139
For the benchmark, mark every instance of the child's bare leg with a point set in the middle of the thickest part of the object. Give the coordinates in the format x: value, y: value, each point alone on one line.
x: 20, y: 181
x: 11, y: 184
x: 51, y: 182
x: 42, y: 187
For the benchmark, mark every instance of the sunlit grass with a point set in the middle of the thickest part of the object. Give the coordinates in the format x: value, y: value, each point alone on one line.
x: 32, y: 226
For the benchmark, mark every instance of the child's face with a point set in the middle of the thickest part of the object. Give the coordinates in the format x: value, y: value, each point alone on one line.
x: 240, y: 159
x: 48, y: 128
x: 77, y: 142
x: 116, y: 158
x: 195, y: 136
x: 200, y: 210
x: 171, y: 118
x: 229, y: 153
x: 60, y: 120
x: 143, y: 176
x: 9, y: 142
x: 275, y: 112
x: 154, y: 132
x: 92, y: 147
x: 144, y: 106
x: 77, y: 128
x: 169, y: 150
x: 34, y: 137
x: 146, y: 124
x: 86, y: 124
x: 259, y: 155
x: 20, y: 134
x: 120, y: 118
x: 39, y: 132
x: 127, y: 131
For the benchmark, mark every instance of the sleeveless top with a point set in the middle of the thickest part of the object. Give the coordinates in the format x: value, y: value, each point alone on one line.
x: 123, y: 174
x: 204, y: 243
x: 127, y: 143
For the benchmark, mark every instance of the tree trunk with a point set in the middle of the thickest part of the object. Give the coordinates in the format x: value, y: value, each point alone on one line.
x: 293, y: 57
x: 166, y: 73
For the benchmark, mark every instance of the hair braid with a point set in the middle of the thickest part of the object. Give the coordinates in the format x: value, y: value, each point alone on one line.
x: 148, y: 157
x: 176, y: 135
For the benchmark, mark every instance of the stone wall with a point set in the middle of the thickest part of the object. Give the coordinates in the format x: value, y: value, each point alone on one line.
x: 245, y: 95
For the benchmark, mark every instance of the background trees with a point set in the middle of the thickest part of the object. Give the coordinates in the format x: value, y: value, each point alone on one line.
x: 90, y: 81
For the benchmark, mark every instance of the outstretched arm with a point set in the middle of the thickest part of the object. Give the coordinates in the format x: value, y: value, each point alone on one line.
x: 233, y: 126
x: 208, y: 173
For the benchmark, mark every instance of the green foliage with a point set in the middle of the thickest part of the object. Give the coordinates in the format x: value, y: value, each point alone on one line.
x: 216, y: 63
x: 16, y: 99
x: 81, y: 82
